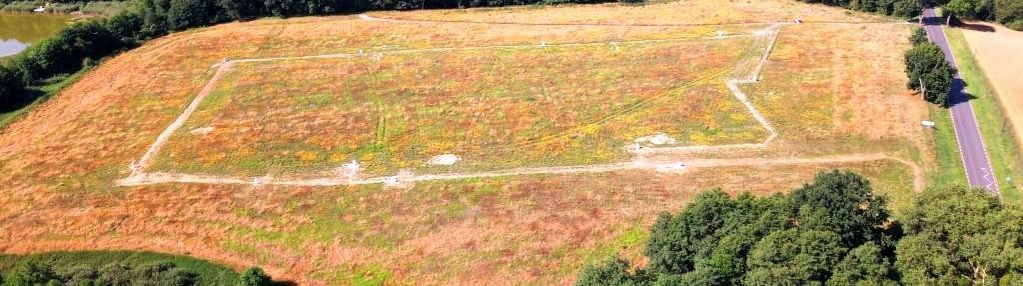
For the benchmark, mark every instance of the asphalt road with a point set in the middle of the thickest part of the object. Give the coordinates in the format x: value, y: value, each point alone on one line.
x: 971, y: 145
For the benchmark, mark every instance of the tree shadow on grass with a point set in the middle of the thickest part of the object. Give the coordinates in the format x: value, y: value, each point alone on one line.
x: 20, y: 100
x: 981, y: 27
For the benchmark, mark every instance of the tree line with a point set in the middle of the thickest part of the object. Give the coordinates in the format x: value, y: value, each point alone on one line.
x: 86, y: 42
x: 34, y: 273
x: 927, y: 69
x: 833, y: 231
x: 1006, y: 12
x: 897, y: 8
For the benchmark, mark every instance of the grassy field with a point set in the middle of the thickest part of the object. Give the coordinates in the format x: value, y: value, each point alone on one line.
x: 533, y: 230
x: 527, y: 106
x: 825, y: 100
x: 58, y: 164
x: 994, y: 125
x: 207, y: 273
x: 685, y: 12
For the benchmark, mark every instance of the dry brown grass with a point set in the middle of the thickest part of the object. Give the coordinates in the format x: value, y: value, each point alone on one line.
x: 685, y: 12
x: 841, y: 90
x: 531, y: 230
x: 59, y: 163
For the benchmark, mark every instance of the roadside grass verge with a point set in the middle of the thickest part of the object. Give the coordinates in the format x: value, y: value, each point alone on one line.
x: 208, y: 273
x: 950, y: 164
x: 998, y: 136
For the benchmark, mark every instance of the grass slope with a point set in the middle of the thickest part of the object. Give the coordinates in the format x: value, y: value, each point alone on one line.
x: 995, y: 128
x: 51, y: 88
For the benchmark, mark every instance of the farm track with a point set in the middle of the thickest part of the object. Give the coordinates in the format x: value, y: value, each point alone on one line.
x: 635, y: 165
x: 769, y: 35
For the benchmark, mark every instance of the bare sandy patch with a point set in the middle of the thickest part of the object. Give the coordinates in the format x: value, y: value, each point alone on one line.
x: 999, y: 55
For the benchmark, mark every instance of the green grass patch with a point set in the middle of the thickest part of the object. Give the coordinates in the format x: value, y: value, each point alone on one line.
x: 208, y: 273
x: 950, y: 164
x: 994, y: 125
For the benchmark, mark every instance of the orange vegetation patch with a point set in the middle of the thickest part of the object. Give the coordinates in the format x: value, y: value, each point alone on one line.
x: 531, y: 229
x: 685, y: 12
x: 843, y: 91
x: 494, y: 107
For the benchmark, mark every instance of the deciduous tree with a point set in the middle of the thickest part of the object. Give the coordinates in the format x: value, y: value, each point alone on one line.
x: 254, y: 277
x: 794, y: 257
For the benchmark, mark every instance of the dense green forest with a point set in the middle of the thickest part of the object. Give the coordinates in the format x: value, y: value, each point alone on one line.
x: 1006, y: 12
x: 833, y: 231
x: 98, y: 268
x: 898, y: 8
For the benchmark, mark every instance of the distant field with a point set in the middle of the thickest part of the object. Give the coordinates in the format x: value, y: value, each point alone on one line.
x: 684, y: 12
x: 393, y: 93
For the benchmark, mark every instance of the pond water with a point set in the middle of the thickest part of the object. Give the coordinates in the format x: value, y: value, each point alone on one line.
x: 18, y: 30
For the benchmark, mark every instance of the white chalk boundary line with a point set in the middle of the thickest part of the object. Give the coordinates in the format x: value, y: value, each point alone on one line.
x: 637, y: 165
x: 771, y: 33
x: 222, y: 68
x: 139, y: 177
x: 226, y: 66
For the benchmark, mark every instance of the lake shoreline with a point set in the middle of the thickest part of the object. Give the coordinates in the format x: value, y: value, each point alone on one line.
x: 19, y: 30
x: 89, y: 9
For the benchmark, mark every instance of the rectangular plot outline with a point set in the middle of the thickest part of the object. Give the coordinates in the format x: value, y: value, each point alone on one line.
x: 140, y: 177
